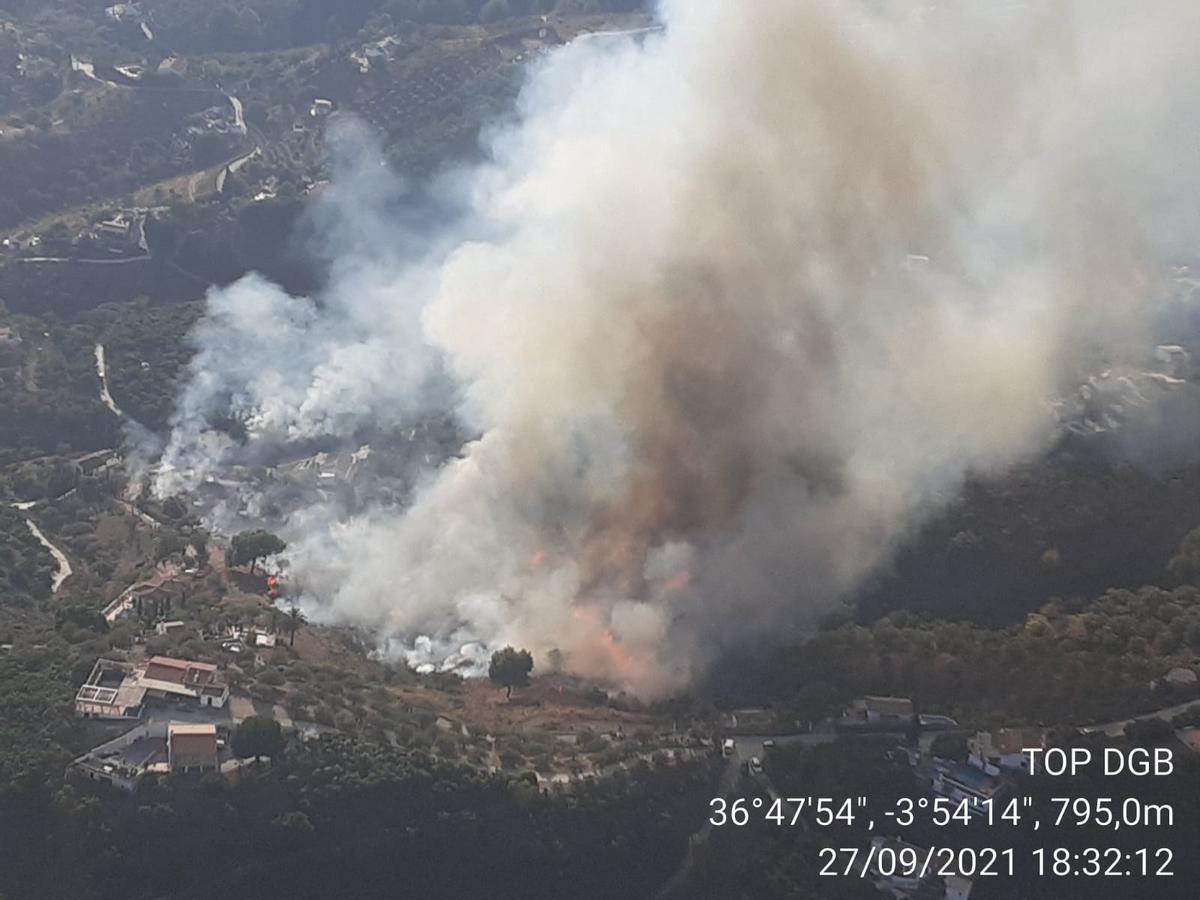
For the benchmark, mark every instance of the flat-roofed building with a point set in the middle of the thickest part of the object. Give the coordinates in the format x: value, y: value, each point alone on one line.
x: 117, y: 690
x: 123, y: 761
x: 878, y: 712
x: 110, y: 693
x: 192, y: 747
x: 967, y: 784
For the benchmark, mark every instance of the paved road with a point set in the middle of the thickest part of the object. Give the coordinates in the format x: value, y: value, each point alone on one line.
x: 628, y: 32
x: 124, y: 260
x: 160, y: 713
x: 1116, y: 729
x: 749, y: 745
x: 725, y: 787
x: 745, y: 747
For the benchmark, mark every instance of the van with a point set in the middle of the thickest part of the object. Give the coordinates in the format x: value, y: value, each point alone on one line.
x: 728, y: 747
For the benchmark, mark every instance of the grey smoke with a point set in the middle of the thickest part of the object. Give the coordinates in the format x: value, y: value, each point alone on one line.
x: 731, y: 310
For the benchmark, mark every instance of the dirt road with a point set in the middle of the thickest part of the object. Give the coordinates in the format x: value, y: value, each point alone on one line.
x: 64, y: 564
x: 102, y: 371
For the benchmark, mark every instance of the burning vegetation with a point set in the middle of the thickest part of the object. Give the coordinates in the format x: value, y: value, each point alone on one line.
x: 714, y: 343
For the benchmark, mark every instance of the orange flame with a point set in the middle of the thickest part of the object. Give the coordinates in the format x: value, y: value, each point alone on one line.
x: 605, y: 650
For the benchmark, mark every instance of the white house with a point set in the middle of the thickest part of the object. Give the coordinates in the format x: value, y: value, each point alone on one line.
x: 882, y: 711
x: 959, y: 782
x: 993, y: 751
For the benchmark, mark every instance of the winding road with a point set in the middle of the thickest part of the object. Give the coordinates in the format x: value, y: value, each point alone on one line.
x: 745, y: 747
x: 122, y: 261
x: 239, y: 117
x: 102, y: 370
x: 1116, y: 729
x: 64, y: 564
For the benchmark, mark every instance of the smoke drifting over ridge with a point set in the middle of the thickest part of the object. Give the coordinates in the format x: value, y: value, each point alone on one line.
x: 731, y: 309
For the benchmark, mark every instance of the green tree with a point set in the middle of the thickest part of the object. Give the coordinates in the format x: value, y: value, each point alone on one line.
x: 199, y: 542
x: 258, y: 736
x: 510, y: 668
x: 251, y: 546
x: 168, y: 545
x: 162, y: 234
x: 295, y: 618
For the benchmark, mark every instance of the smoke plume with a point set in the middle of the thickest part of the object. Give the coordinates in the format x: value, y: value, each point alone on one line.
x: 726, y: 312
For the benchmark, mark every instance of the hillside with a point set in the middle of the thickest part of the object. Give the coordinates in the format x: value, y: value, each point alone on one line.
x: 673, y: 460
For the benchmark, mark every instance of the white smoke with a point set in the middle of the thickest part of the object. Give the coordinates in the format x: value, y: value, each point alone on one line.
x: 733, y: 307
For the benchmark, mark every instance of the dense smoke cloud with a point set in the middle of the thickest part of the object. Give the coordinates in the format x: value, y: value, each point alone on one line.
x: 731, y: 309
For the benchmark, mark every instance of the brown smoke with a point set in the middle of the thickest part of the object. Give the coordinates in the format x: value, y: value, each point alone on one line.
x: 765, y: 289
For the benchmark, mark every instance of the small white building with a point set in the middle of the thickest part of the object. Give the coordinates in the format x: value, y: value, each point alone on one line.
x: 880, y: 711
x: 993, y: 751
x: 964, y: 783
